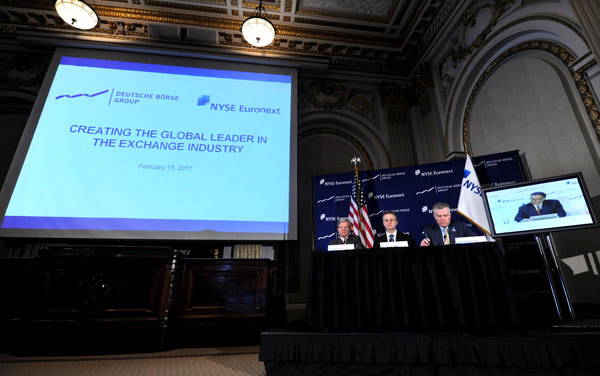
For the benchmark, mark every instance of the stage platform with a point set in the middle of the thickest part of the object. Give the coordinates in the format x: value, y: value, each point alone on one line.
x: 565, y: 349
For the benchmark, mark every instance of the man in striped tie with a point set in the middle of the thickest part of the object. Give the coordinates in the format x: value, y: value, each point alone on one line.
x: 445, y: 230
x: 538, y: 205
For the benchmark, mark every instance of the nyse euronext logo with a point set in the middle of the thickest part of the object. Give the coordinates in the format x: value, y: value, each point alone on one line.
x: 236, y: 107
x: 203, y: 100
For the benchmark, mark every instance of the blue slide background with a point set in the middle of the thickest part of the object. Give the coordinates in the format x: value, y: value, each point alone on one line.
x: 66, y: 175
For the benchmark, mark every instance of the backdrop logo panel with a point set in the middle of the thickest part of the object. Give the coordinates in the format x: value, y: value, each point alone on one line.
x: 410, y: 192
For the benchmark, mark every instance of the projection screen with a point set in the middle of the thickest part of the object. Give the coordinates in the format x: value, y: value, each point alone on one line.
x: 139, y: 146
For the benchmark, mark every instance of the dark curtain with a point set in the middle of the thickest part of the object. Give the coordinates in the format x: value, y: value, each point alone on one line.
x: 417, y: 288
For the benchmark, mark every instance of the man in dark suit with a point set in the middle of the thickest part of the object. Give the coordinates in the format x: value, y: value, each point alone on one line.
x: 343, y: 227
x: 444, y: 231
x: 391, y: 234
x: 539, y: 206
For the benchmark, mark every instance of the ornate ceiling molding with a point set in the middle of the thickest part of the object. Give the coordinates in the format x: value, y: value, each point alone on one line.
x: 388, y: 43
x: 330, y: 95
x: 407, y: 93
x: 20, y: 70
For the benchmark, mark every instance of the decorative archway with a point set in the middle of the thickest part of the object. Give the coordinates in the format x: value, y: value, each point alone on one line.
x: 562, y: 55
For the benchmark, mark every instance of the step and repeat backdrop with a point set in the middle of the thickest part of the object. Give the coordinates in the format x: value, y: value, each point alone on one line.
x: 410, y: 192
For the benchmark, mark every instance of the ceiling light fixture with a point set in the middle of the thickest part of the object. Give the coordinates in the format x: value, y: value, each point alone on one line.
x: 76, y: 13
x: 258, y: 30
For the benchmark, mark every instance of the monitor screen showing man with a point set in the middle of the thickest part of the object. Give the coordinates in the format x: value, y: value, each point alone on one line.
x: 544, y: 205
x: 540, y: 206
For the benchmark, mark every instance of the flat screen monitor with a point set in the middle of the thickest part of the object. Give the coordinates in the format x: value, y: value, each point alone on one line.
x: 138, y: 146
x: 538, y: 206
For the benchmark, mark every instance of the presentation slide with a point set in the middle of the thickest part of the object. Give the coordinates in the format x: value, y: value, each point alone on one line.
x: 565, y: 205
x: 124, y: 148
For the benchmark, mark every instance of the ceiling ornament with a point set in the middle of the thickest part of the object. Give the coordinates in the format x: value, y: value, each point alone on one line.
x: 478, y: 22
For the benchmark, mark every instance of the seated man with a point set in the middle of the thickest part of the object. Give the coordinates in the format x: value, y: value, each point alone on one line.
x: 391, y: 234
x: 444, y: 231
x: 539, y: 206
x: 344, y: 237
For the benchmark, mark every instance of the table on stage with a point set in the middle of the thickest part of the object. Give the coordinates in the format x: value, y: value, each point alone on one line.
x: 410, y: 288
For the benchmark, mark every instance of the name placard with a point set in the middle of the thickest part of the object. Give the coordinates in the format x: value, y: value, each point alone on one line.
x: 400, y: 243
x: 340, y: 247
x: 470, y: 239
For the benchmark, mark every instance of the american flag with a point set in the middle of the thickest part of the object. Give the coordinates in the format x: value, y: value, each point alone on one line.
x: 359, y: 215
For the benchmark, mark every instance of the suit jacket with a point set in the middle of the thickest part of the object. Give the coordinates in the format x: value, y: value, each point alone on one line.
x: 455, y: 229
x: 384, y: 238
x: 352, y: 239
x: 548, y: 207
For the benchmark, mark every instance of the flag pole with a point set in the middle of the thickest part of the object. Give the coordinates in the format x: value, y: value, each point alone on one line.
x: 355, y: 161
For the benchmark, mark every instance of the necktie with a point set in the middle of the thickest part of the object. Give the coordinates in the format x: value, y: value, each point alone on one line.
x: 344, y: 240
x: 538, y: 209
x: 392, y: 237
x: 446, y: 236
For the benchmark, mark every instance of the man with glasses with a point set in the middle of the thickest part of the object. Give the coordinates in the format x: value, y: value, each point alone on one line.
x: 344, y: 236
x: 538, y: 205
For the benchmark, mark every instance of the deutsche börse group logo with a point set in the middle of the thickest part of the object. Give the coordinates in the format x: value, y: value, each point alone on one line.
x: 125, y: 96
x: 82, y: 95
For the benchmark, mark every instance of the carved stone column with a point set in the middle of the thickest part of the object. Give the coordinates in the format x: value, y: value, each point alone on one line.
x: 431, y: 130
x: 416, y: 138
x: 401, y: 139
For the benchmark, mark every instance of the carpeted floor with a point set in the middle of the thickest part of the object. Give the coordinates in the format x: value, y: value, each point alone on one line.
x: 231, y: 361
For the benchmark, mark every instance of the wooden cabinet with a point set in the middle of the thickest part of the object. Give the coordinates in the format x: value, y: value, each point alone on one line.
x: 107, y: 296
x: 103, y: 287
x: 221, y: 288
